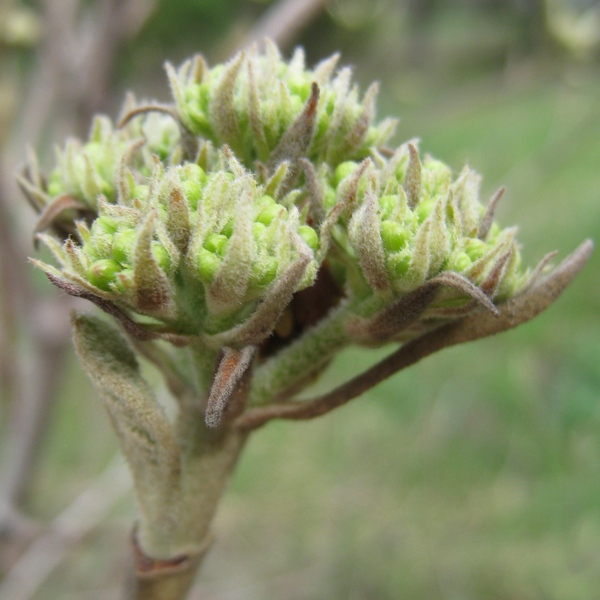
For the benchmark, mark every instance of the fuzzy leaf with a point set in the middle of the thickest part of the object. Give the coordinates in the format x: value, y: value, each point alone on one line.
x: 412, y: 182
x: 229, y: 287
x: 488, y: 217
x: 396, y: 317
x: 232, y: 367
x: 256, y: 122
x: 222, y: 107
x: 178, y: 223
x: 366, y: 239
x: 152, y: 288
x: 147, y: 439
x: 355, y: 137
x: 296, y: 140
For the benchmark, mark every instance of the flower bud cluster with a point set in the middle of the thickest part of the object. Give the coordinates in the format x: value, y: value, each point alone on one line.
x: 89, y: 171
x: 198, y: 214
x: 402, y: 222
x: 264, y: 108
x: 192, y: 248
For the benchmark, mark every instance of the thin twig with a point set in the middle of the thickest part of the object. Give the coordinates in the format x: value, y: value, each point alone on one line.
x: 15, y: 290
x: 105, y: 30
x: 65, y: 532
x: 514, y: 312
x: 283, y: 22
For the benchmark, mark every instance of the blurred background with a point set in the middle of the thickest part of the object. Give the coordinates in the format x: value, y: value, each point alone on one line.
x: 476, y: 474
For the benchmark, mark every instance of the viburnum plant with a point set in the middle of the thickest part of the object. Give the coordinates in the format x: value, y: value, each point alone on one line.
x: 240, y: 238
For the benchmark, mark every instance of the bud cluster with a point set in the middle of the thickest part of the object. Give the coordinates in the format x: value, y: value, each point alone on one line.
x: 402, y: 222
x: 195, y: 249
x: 86, y: 172
x: 263, y: 107
x: 261, y: 175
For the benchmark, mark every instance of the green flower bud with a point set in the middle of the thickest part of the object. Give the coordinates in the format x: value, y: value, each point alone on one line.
x: 475, y: 249
x: 268, y: 214
x: 269, y: 210
x: 161, y: 256
x: 460, y: 262
x: 193, y: 172
x: 424, y: 209
x: 123, y: 243
x: 228, y: 228
x: 193, y: 192
x: 161, y: 134
x: 216, y: 243
x: 394, y: 236
x: 264, y: 274
x: 310, y: 236
x: 124, y: 282
x: 258, y: 231
x: 299, y: 85
x: 387, y: 205
x: 400, y: 263
x: 193, y: 180
x: 104, y: 225
x: 208, y: 265
x: 55, y: 184
x: 437, y: 176
x: 102, y: 273
x: 330, y: 198
x: 99, y: 246
x: 140, y: 191
x: 344, y: 170
x: 494, y: 232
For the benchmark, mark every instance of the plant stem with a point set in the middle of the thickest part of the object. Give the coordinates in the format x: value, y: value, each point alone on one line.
x: 303, y: 357
x: 164, y: 584
x: 169, y: 548
x: 479, y: 325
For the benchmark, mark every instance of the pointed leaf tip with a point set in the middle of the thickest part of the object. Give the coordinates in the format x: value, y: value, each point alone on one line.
x: 232, y: 367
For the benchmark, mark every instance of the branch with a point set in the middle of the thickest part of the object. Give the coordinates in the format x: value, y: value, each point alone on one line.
x: 30, y: 376
x: 14, y: 285
x: 514, y: 313
x: 283, y: 22
x: 106, y: 29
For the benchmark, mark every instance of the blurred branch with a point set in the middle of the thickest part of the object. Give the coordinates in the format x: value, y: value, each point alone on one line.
x: 15, y: 291
x: 75, y: 61
x: 77, y: 58
x: 283, y: 22
x: 34, y: 358
x: 66, y: 531
x: 116, y: 21
x: 49, y: 78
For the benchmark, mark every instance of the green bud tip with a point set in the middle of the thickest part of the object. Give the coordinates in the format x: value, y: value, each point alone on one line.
x: 208, y: 265
x: 103, y: 272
